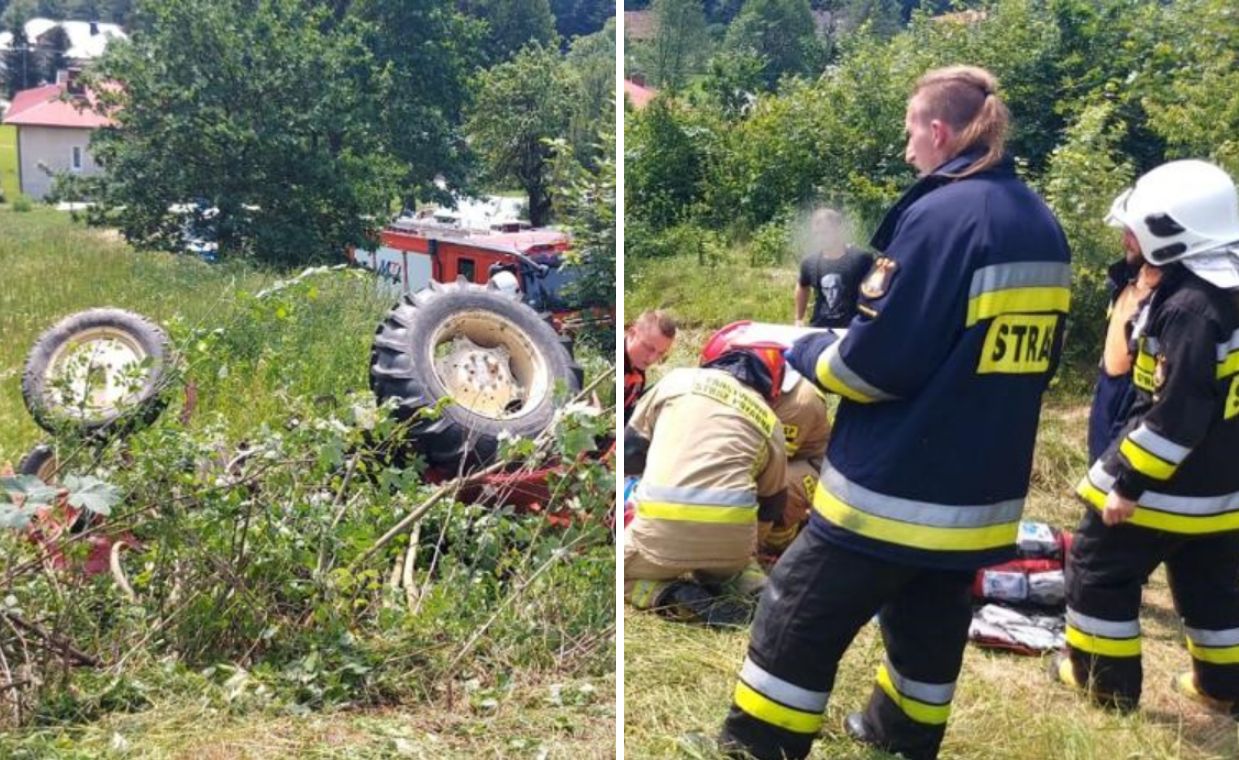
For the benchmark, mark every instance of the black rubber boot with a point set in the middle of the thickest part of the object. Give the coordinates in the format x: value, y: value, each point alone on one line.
x: 691, y: 603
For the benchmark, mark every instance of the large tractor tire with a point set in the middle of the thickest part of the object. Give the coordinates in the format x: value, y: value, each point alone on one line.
x: 98, y: 371
x: 494, y: 356
x: 42, y: 463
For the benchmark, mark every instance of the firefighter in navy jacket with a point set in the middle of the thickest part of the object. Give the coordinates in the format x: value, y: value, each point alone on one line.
x: 941, y: 376
x: 1167, y: 488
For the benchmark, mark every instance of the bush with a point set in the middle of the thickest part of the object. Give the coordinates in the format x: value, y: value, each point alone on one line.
x: 22, y: 204
x: 1085, y: 173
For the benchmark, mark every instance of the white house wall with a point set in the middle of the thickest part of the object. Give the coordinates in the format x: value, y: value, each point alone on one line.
x: 52, y: 146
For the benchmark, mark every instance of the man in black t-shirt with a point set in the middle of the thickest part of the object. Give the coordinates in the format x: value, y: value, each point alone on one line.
x: 835, y: 282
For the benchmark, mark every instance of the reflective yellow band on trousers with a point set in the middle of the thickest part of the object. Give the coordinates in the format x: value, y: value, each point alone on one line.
x: 912, y: 534
x: 728, y: 515
x: 1145, y: 462
x: 921, y: 712
x: 1086, y: 642
x: 1215, y: 655
x: 1220, y: 647
x: 644, y: 592
x: 767, y: 710
x: 1017, y: 301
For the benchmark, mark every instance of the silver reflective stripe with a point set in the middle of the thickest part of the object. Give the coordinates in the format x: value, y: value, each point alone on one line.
x: 781, y: 691
x: 933, y: 693
x: 1190, y: 506
x: 918, y: 512
x: 687, y: 495
x: 1156, y: 444
x: 1206, y: 638
x: 849, y: 378
x: 1022, y: 274
x: 1111, y: 629
x: 1101, y: 479
x: 1225, y: 349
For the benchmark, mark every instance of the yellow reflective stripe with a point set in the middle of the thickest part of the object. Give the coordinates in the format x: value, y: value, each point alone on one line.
x: 665, y: 510
x: 912, y: 534
x: 765, y: 709
x: 1091, y: 493
x: 921, y: 712
x: 1145, y: 462
x: 831, y: 382
x: 1151, y: 518
x: 1215, y: 655
x: 644, y: 592
x: 1101, y: 645
x: 1228, y: 366
x: 1017, y: 301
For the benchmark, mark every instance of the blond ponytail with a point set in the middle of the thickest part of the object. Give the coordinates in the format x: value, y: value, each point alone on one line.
x: 966, y: 98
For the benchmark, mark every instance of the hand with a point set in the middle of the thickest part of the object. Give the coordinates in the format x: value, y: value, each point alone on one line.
x: 1117, y: 509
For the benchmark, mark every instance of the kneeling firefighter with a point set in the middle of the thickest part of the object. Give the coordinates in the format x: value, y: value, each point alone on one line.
x: 941, y: 376
x: 710, y: 454
x: 801, y: 409
x: 1167, y: 488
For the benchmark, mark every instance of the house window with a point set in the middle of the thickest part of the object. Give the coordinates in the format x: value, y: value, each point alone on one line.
x: 466, y: 267
x: 77, y: 158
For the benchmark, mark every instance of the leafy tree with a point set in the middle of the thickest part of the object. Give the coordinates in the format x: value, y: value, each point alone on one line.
x: 576, y: 18
x: 423, y: 52
x: 1084, y: 174
x: 585, y: 203
x: 512, y: 24
x: 54, y: 44
x: 21, y: 65
x: 780, y: 32
x: 592, y: 59
x: 520, y: 106
x: 251, y: 107
x: 680, y: 42
x: 664, y: 163
x: 1192, y: 89
x: 733, y: 80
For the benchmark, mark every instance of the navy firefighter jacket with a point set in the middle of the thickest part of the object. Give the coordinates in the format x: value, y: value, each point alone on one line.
x: 941, y: 373
x: 1175, y: 455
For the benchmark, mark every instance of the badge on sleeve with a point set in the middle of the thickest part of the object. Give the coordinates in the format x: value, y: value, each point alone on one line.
x: 878, y: 281
x: 1159, y: 374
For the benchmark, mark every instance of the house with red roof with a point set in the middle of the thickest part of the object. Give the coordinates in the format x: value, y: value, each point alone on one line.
x: 638, y: 93
x: 46, y: 130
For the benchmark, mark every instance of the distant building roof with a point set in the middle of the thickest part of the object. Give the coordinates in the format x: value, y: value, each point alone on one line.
x: 639, y: 25
x: 639, y: 95
x: 87, y: 39
x: 43, y: 107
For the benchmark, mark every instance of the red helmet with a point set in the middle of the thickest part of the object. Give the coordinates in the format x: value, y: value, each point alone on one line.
x: 769, y: 352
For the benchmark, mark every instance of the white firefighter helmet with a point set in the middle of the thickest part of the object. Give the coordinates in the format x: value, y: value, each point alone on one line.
x: 1184, y: 210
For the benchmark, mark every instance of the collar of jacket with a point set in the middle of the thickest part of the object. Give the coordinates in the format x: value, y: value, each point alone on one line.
x: 1172, y: 273
x: 927, y: 184
x: 1119, y: 274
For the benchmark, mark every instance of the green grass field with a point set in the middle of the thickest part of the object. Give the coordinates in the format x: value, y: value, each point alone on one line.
x: 311, y: 342
x: 678, y: 678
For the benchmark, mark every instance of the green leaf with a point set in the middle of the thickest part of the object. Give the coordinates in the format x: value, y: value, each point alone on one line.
x: 90, y: 493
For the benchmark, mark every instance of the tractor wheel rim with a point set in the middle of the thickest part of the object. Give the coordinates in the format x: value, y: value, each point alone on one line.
x: 96, y: 372
x: 488, y: 365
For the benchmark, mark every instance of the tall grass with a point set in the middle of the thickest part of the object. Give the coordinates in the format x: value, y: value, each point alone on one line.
x: 51, y: 267
x: 539, y: 683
